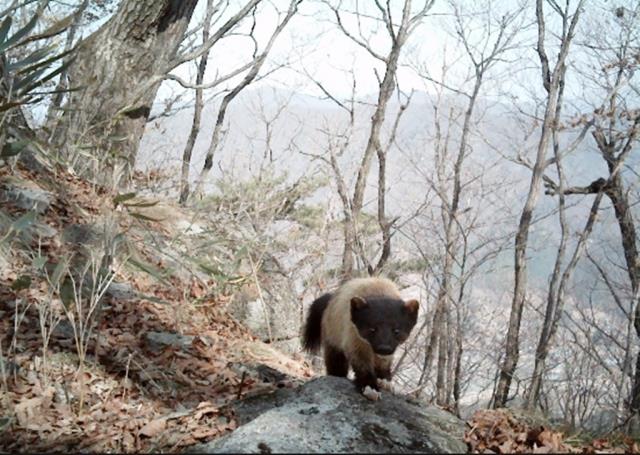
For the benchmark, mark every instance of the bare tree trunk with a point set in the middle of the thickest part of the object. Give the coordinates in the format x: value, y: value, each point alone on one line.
x: 197, y: 110
x: 383, y: 222
x: 386, y: 87
x: 347, y: 222
x: 457, y: 366
x: 385, y: 225
x: 254, y: 68
x: 443, y: 348
x: 496, y: 40
x: 615, y: 191
x: 615, y: 148
x: 551, y: 81
x: 128, y: 55
x: 555, y: 308
x: 553, y: 302
x: 373, y: 143
x: 451, y: 214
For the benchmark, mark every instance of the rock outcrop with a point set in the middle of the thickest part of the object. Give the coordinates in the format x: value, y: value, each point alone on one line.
x: 328, y: 415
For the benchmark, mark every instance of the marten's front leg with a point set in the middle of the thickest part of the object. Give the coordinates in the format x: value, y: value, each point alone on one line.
x: 383, y: 373
x: 364, y: 378
x: 383, y: 367
x: 335, y: 362
x: 366, y: 382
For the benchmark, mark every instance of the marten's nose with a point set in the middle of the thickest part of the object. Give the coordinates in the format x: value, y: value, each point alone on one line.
x: 384, y: 349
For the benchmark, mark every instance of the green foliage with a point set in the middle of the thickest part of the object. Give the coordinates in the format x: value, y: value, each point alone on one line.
x: 121, y: 198
x: 310, y: 216
x: 24, y: 74
x: 11, y: 229
x: 22, y: 282
x: 415, y: 265
x: 125, y: 200
x: 266, y: 197
x: 13, y: 148
x: 242, y: 214
x: 26, y: 67
x: 24, y: 221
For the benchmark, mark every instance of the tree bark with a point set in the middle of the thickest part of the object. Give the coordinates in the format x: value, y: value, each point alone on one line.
x: 386, y: 88
x: 551, y: 81
x: 118, y: 70
x: 615, y: 191
x: 248, y: 79
x: 554, y: 301
x: 615, y: 149
x: 197, y: 111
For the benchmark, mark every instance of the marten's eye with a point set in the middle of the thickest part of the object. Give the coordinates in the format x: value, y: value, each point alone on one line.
x: 396, y: 331
x: 372, y: 330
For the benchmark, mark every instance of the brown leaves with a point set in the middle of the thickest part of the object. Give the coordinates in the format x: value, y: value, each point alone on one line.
x: 605, y: 445
x: 154, y: 428
x: 172, y: 397
x: 203, y: 409
x: 497, y: 431
x: 29, y: 412
x: 134, y: 399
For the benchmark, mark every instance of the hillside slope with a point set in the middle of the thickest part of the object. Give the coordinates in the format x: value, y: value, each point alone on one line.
x: 115, y: 333
x: 163, y: 358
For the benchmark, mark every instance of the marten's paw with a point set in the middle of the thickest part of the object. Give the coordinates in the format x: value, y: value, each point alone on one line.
x: 371, y: 394
x: 385, y: 385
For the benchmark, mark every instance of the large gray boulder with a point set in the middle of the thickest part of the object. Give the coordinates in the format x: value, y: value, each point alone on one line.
x: 328, y: 415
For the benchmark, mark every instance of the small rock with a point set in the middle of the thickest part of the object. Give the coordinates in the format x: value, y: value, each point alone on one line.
x: 159, y: 340
x: 43, y: 230
x: 79, y: 234
x: 63, y: 329
x: 121, y: 291
x: 9, y: 366
x: 26, y: 195
x: 27, y: 198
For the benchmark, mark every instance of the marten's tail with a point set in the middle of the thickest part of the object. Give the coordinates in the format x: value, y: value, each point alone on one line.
x: 312, y: 335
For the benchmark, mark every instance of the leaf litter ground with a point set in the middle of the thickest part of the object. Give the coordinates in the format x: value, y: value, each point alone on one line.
x: 138, y: 396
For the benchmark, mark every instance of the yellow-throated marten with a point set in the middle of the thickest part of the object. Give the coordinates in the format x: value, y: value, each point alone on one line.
x: 360, y: 324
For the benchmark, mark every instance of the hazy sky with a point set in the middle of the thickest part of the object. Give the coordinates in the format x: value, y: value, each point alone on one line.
x: 312, y: 43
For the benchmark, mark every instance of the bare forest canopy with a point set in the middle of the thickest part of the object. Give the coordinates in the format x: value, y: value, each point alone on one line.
x: 483, y: 154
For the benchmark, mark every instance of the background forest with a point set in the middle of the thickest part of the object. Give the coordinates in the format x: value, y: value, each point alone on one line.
x: 482, y: 154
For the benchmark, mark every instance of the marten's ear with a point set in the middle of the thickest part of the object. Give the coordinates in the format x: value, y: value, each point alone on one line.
x: 412, y: 306
x: 358, y: 303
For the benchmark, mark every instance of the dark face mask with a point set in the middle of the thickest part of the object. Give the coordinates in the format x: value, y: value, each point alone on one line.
x: 384, y: 322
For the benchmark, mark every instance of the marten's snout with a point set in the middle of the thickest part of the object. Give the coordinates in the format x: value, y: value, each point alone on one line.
x: 384, y: 349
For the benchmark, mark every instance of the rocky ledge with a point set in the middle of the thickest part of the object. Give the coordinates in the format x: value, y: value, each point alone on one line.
x: 327, y: 415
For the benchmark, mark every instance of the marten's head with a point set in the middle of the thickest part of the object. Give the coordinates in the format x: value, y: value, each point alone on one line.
x: 384, y: 322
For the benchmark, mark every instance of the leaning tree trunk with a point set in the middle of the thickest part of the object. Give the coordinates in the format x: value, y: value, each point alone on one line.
x: 118, y: 70
x: 551, y: 82
x: 622, y: 207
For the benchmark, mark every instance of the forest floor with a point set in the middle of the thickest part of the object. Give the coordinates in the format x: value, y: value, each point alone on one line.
x: 136, y: 391
x: 164, y: 362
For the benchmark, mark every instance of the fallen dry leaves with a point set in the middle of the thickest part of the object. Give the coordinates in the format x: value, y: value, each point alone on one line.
x: 137, y: 397
x: 498, y: 431
x: 140, y: 399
